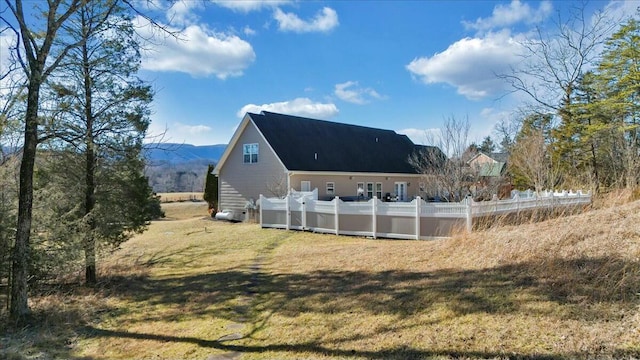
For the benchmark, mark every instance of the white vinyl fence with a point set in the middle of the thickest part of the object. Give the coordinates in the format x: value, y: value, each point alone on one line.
x: 400, y: 220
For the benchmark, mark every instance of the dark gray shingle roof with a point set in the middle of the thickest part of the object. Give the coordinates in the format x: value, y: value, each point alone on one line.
x: 305, y: 144
x: 499, y: 156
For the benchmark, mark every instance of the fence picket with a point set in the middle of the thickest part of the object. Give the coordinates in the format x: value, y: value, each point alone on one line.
x: 389, y: 219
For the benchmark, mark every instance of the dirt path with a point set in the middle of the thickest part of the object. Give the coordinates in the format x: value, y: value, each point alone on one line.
x: 244, y: 326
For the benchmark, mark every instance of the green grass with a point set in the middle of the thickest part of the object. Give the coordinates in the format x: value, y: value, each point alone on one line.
x: 564, y: 288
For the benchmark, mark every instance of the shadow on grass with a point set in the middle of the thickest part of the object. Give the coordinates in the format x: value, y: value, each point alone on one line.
x: 574, y: 285
x: 403, y: 352
x: 494, y: 291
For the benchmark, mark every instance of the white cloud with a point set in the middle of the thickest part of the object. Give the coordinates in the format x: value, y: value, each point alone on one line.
x: 351, y: 92
x: 196, y: 51
x: 7, y: 40
x: 485, y: 124
x: 192, y: 129
x: 183, y: 12
x: 176, y: 132
x: 10, y: 70
x: 421, y: 136
x: 621, y: 10
x: 324, y: 21
x: 249, y: 5
x: 471, y: 64
x: 299, y: 106
x: 248, y: 31
x: 513, y: 13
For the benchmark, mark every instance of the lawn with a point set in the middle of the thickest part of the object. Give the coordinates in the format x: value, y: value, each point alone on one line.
x: 195, y: 288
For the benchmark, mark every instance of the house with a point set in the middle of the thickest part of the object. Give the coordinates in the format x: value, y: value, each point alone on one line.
x: 271, y: 154
x: 491, y: 175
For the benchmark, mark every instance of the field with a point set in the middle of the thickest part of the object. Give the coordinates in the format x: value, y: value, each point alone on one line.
x: 195, y: 288
x: 180, y: 196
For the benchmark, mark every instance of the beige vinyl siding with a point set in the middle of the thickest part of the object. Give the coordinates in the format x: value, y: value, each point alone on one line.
x: 240, y: 182
x: 346, y: 184
x: 482, y: 159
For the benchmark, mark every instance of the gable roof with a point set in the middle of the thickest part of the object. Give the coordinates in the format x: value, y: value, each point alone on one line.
x: 492, y: 169
x: 498, y: 157
x: 305, y: 144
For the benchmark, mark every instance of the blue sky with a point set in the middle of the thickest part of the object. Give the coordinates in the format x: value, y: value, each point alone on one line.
x: 399, y: 65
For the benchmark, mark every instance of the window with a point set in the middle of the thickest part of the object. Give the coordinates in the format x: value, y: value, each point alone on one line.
x: 400, y: 189
x: 369, y: 190
x: 305, y: 185
x: 422, y: 187
x: 331, y: 188
x: 379, y: 190
x: 360, y: 189
x: 250, y: 153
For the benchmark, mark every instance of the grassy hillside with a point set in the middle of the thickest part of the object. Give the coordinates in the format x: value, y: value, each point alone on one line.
x: 195, y: 288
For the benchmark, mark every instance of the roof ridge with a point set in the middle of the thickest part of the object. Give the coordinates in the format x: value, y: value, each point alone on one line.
x: 267, y: 113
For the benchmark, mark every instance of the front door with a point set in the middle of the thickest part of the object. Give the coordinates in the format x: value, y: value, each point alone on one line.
x: 400, y: 189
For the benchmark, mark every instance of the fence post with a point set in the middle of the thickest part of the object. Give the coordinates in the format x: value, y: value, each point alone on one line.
x: 304, y: 213
x: 374, y: 209
x: 337, y: 212
x: 517, y: 199
x: 469, y: 203
x: 288, y: 211
x: 418, y: 207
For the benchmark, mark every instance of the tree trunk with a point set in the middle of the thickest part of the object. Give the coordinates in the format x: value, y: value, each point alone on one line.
x: 90, y: 260
x: 90, y: 168
x: 90, y: 202
x: 19, y: 308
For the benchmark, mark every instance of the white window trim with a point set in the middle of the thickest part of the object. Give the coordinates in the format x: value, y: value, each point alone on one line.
x: 379, y: 192
x: 303, y: 183
x: 405, y: 193
x: 371, y: 192
x: 250, y: 146
x: 332, y: 185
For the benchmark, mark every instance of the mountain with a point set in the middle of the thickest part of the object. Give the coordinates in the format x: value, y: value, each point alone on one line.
x: 179, y: 167
x: 170, y: 153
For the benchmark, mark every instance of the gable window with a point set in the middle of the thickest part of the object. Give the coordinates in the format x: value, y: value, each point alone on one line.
x: 250, y: 153
x: 369, y: 190
x: 331, y: 188
x: 379, y: 190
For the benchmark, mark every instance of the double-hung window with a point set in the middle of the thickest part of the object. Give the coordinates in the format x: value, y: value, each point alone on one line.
x: 331, y: 188
x: 369, y: 190
x: 250, y: 153
x: 379, y: 190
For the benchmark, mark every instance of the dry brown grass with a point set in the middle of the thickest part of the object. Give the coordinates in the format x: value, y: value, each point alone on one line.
x: 184, y: 210
x: 562, y: 288
x: 180, y: 196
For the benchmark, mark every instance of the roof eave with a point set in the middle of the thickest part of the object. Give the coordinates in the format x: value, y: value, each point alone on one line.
x: 351, y: 173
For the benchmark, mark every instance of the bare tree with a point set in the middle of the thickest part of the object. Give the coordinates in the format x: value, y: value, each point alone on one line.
x: 444, y: 163
x: 553, y: 63
x: 278, y: 186
x: 530, y: 159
